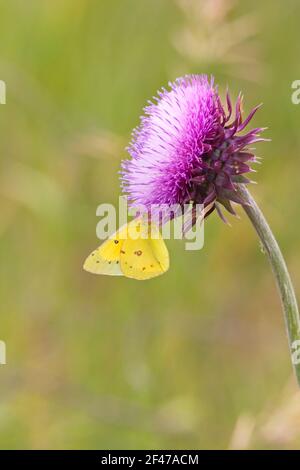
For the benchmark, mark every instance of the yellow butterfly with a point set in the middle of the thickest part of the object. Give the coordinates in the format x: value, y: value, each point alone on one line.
x: 136, y: 250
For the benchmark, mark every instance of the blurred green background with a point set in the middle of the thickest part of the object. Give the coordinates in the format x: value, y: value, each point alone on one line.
x: 197, y: 358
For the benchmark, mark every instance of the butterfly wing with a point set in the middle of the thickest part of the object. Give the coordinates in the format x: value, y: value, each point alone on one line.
x: 143, y: 258
x: 106, y: 258
x: 131, y: 252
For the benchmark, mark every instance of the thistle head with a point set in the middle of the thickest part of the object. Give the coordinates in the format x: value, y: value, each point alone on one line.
x: 189, y: 147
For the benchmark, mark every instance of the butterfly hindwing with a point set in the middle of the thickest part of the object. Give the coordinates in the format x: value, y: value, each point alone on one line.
x: 143, y: 258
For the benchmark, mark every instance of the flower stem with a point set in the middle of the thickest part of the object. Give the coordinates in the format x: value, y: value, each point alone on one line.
x: 284, y: 283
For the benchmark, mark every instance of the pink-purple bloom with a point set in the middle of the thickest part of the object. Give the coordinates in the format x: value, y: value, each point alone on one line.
x: 188, y: 147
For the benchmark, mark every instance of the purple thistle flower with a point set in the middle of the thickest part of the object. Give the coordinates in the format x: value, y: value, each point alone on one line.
x: 188, y: 148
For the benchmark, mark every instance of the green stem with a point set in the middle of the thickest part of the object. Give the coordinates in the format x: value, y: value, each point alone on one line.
x: 284, y: 283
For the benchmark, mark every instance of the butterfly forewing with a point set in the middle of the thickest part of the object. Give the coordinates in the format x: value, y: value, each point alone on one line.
x: 106, y: 258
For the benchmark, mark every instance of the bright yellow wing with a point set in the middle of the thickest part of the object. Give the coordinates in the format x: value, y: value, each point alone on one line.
x: 131, y: 251
x: 106, y: 258
x: 143, y: 258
